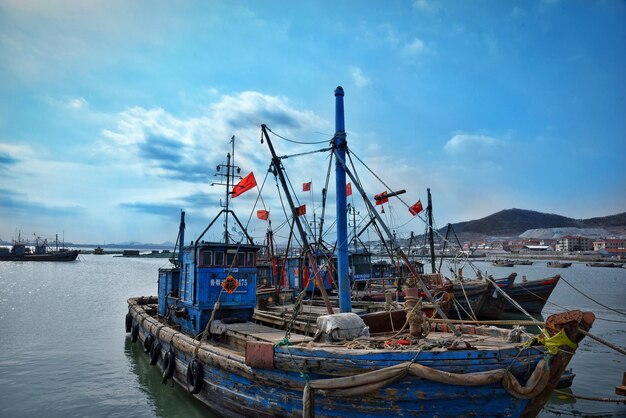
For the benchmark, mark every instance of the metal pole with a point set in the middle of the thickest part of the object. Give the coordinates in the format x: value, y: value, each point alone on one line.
x: 306, y: 248
x: 394, y: 244
x: 345, y: 303
x: 181, y: 232
x: 227, y: 193
x: 431, y: 238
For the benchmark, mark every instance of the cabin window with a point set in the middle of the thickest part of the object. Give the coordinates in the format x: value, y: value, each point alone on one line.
x: 230, y: 258
x: 241, y: 259
x: 207, y: 258
x: 219, y: 258
x: 251, y: 259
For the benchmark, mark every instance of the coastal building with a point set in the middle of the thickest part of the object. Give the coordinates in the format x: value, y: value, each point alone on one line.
x: 609, y: 244
x: 574, y: 243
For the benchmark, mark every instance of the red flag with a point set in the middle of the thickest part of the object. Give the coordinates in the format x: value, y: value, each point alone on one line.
x: 381, y: 198
x: 246, y: 183
x: 416, y: 208
x: 349, y: 189
x: 306, y: 187
x: 262, y: 214
x: 301, y: 210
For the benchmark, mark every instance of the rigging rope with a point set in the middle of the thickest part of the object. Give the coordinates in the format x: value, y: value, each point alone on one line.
x: 297, y: 142
x: 592, y: 299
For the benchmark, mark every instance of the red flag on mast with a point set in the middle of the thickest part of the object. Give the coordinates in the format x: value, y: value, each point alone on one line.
x: 246, y: 183
x: 349, y: 189
x: 416, y: 208
x: 381, y: 198
x: 301, y: 210
x: 306, y: 187
x: 262, y: 214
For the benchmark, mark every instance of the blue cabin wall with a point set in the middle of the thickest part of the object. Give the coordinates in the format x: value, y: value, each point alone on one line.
x: 301, y: 277
x: 169, y: 282
x: 204, y: 270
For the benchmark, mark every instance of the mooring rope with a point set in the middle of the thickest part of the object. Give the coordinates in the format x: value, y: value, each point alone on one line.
x: 592, y: 299
x: 602, y: 341
x: 591, y: 398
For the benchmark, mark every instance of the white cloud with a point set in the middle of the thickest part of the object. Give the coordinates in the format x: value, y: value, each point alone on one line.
x: 77, y: 103
x: 415, y: 47
x: 359, y: 78
x: 186, y: 149
x: 472, y: 144
x: 425, y: 5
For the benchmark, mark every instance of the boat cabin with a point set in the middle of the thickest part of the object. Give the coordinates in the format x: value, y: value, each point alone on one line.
x: 209, y: 273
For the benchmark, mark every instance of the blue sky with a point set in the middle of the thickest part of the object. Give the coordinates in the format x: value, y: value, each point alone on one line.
x: 115, y: 113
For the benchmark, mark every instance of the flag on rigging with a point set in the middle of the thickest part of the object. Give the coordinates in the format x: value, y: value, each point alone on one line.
x: 301, y: 210
x: 416, y: 208
x: 306, y: 187
x: 381, y: 198
x: 262, y: 214
x: 349, y: 189
x: 246, y: 183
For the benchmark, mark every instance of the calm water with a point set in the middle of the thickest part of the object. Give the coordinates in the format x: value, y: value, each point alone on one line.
x: 65, y: 353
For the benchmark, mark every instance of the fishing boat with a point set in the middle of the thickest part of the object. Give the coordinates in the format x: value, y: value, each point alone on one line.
x: 605, y: 264
x: 494, y: 304
x: 558, y: 264
x: 21, y: 252
x: 503, y: 263
x: 204, y: 332
x: 522, y: 262
x: 531, y: 295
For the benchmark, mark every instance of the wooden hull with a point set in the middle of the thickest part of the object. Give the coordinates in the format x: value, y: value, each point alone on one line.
x: 273, y: 385
x: 493, y: 307
x: 470, y: 299
x: 532, y: 295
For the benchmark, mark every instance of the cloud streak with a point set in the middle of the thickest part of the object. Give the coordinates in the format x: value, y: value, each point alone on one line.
x: 472, y: 144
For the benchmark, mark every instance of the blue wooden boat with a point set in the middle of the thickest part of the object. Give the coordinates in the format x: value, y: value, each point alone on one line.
x: 204, y: 332
x: 531, y: 295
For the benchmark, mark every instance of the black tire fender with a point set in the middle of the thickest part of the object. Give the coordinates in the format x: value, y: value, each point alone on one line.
x: 134, y: 334
x: 155, y: 352
x: 169, y: 365
x: 129, y: 322
x: 147, y: 343
x: 194, y: 376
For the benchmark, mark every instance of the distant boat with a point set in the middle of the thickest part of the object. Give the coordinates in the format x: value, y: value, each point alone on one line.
x: 523, y: 263
x: 558, y: 264
x: 20, y: 252
x: 503, y: 263
x: 598, y: 264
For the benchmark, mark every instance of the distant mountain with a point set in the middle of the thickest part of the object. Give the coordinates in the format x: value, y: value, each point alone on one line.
x: 513, y: 222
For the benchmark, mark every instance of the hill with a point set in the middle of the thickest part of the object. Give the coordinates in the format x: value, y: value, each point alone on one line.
x: 513, y: 222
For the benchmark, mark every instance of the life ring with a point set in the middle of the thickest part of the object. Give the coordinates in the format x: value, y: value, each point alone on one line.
x: 134, y: 333
x: 194, y: 376
x: 129, y: 322
x: 147, y: 343
x: 155, y: 352
x: 169, y: 365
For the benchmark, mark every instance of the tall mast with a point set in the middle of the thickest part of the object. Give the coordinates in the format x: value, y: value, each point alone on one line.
x: 306, y: 248
x: 340, y: 143
x: 431, y: 239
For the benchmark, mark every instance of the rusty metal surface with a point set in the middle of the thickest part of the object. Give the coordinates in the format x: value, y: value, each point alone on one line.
x: 260, y: 355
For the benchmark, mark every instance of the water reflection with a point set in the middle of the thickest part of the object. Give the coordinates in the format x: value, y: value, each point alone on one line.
x: 167, y: 401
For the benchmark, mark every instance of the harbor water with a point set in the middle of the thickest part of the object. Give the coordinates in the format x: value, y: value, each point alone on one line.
x: 64, y: 351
